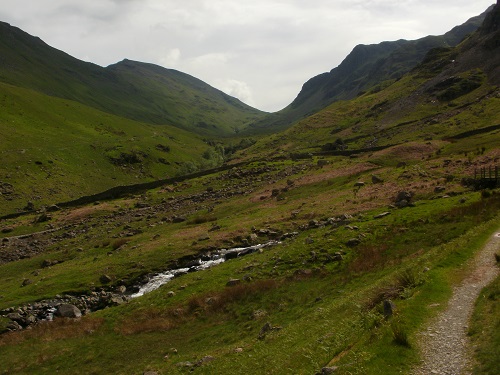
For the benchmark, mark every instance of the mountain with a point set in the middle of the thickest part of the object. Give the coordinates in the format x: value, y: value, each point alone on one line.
x: 363, y: 69
x: 331, y: 251
x: 137, y: 91
x: 450, y: 95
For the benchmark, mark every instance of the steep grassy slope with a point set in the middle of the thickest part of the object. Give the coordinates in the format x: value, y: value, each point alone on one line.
x: 138, y: 91
x: 366, y: 67
x: 54, y: 150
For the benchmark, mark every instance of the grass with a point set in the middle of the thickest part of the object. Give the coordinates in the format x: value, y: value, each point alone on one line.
x: 484, y: 330
x: 320, y: 299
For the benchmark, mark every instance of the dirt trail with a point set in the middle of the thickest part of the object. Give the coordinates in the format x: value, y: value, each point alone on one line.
x: 444, y: 344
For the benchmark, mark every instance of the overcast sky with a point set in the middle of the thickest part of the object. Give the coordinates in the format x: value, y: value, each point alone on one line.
x: 260, y: 51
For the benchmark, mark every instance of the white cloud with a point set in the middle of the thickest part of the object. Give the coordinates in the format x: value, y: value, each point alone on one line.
x: 239, y: 90
x: 272, y: 46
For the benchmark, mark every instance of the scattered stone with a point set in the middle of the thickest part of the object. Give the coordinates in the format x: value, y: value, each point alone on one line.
x: 259, y: 314
x: 389, y: 308
x: 43, y: 218
x: 265, y: 329
x: 27, y: 282
x: 14, y: 326
x: 7, y: 230
x: 353, y: 242
x: 439, y: 189
x: 30, y: 206
x: 53, y: 208
x: 204, y: 360
x: 359, y: 184
x: 376, y: 179
x: 185, y: 364
x: 116, y: 301
x: 383, y: 214
x: 178, y: 219
x: 233, y: 282
x: 121, y: 289
x: 68, y: 311
x: 170, y: 294
x: 403, y: 199
x: 238, y: 350
x: 328, y: 370
x: 309, y: 241
x: 105, y: 279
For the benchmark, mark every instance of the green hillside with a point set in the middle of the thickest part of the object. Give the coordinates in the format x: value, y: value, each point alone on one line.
x: 369, y: 207
x: 138, y: 91
x: 55, y: 150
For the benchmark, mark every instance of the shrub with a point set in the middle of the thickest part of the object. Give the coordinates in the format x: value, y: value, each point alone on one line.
x: 400, y: 334
x: 118, y: 243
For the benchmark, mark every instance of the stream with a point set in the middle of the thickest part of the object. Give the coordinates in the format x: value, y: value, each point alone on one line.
x: 27, y: 315
x: 202, y: 263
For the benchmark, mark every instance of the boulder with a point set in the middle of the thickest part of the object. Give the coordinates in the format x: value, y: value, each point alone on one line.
x: 67, y: 310
x: 376, y: 179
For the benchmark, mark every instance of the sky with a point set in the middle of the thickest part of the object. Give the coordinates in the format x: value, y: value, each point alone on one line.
x: 260, y: 51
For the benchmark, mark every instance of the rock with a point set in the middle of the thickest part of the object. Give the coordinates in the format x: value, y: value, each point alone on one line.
x: 439, y: 189
x: 7, y: 230
x: 185, y: 364
x: 68, y: 311
x: 328, y: 370
x: 376, y: 179
x: 403, y: 195
x: 402, y: 203
x: 105, y: 279
x: 321, y: 163
x: 121, y: 289
x: 27, y: 282
x: 206, y: 359
x: 53, y: 208
x: 359, y: 184
x: 116, y: 301
x: 14, y: 326
x: 309, y: 241
x: 389, y: 308
x: 259, y: 314
x: 16, y: 317
x: 150, y: 373
x: 353, y: 242
x: 233, y: 282
x: 30, y: 206
x: 170, y: 294
x: 48, y: 263
x: 383, y: 214
x: 178, y: 219
x: 265, y: 328
x: 43, y: 218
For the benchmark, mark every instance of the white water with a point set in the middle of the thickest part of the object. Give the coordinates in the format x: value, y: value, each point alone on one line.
x: 217, y: 258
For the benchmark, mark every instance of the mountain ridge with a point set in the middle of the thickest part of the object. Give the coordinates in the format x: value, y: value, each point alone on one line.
x: 365, y: 67
x: 28, y: 61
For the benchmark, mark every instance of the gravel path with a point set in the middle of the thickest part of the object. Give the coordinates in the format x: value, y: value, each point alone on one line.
x: 444, y: 343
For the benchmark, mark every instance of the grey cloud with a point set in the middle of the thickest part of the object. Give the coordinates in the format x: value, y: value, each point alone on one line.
x: 260, y: 50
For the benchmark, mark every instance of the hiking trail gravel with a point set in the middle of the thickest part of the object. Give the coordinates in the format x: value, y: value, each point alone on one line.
x: 444, y: 345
